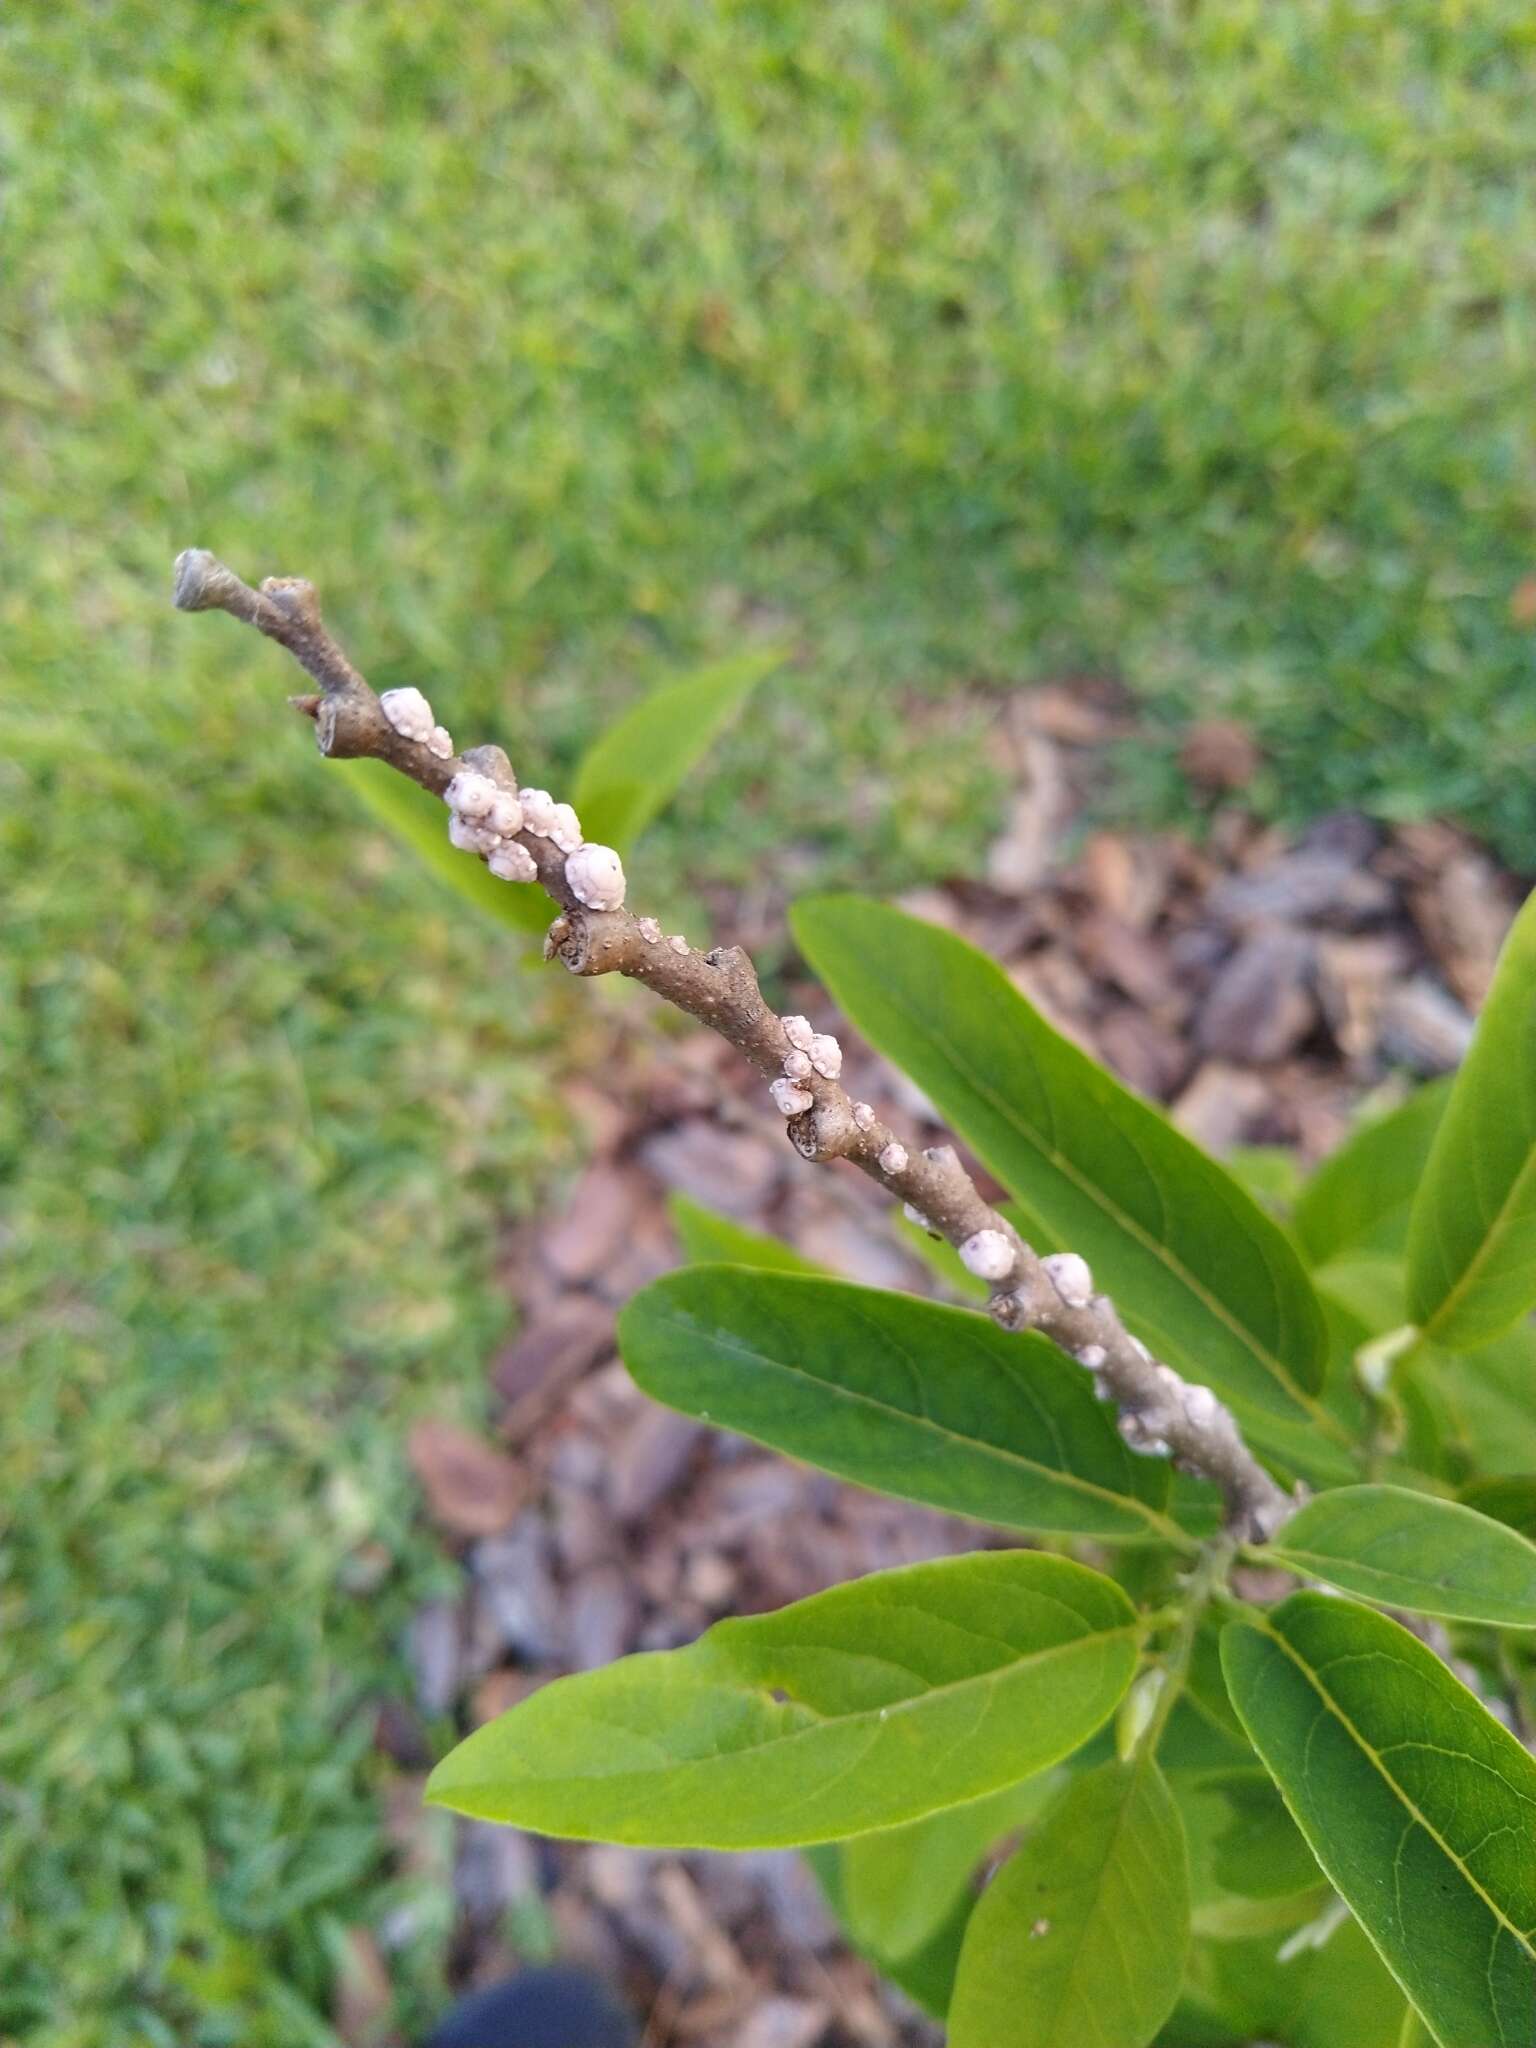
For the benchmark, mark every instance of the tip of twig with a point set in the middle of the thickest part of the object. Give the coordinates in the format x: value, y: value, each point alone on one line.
x: 308, y: 705
x: 197, y: 573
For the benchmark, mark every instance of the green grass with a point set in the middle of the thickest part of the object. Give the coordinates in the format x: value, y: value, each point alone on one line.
x: 563, y: 346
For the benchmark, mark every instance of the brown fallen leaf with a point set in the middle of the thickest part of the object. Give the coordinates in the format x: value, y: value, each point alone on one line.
x: 1220, y: 754
x: 471, y: 1488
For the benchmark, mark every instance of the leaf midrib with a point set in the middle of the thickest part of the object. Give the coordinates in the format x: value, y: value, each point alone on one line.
x: 1369, y: 1750
x: 1160, y: 1524
x: 1160, y: 1252
x: 1122, y: 1818
x: 820, y: 1723
x: 1326, y: 1564
x: 1502, y: 1222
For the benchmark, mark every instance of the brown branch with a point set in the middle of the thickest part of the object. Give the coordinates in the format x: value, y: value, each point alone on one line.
x: 1160, y: 1414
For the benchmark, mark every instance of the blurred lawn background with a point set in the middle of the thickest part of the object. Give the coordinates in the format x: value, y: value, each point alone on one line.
x: 563, y: 345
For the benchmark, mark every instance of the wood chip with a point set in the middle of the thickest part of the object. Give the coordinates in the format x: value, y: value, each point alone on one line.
x: 1464, y: 914
x: 1424, y: 1029
x: 732, y: 1171
x: 599, y: 1616
x: 592, y: 1228
x: 1220, y: 1106
x: 1353, y: 976
x: 433, y: 1647
x: 364, y: 1998
x: 1261, y: 1004
x: 1147, y: 1056
x: 547, y: 1358
x: 786, y: 2023
x: 1128, y: 877
x: 650, y: 1460
x: 1018, y: 858
x: 471, y: 1488
x: 1304, y: 888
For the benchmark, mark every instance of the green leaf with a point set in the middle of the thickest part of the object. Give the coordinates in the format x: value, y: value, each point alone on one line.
x: 1334, y: 1996
x: 1408, y: 1550
x: 861, y: 1708
x: 928, y: 1403
x: 900, y: 1886
x: 927, y: 1973
x: 422, y: 822
x: 707, y: 1237
x: 635, y: 767
x: 1082, y: 1935
x: 1417, y: 1804
x: 1259, y: 1853
x: 1472, y: 1234
x: 1198, y: 1270
x: 1219, y: 1908
x: 1359, y: 1198
x: 1272, y: 1174
x: 1369, y: 1286
x: 1511, y: 1501
x: 1480, y: 1405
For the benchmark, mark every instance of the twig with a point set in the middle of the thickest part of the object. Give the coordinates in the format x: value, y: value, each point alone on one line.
x: 1160, y: 1414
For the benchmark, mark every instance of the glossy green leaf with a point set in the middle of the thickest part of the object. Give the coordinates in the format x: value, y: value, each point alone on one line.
x: 1198, y: 1270
x: 1472, y: 1234
x: 1511, y: 1501
x: 1203, y: 1732
x: 1359, y: 1198
x: 864, y: 1707
x: 1409, y: 1550
x: 1418, y: 1805
x: 1337, y: 1995
x: 900, y: 1886
x: 710, y: 1238
x: 421, y: 821
x: 1368, y: 1286
x: 927, y: 1973
x: 1226, y: 1911
x: 928, y: 1403
x: 1082, y: 1934
x: 635, y: 767
x: 1479, y: 1405
x: 1259, y: 1852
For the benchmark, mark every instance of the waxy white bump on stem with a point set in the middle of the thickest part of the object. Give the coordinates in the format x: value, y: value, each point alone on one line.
x: 565, y: 828
x: 788, y: 1099
x: 512, y: 862
x: 826, y: 1055
x: 471, y: 795
x: 538, y: 811
x: 1070, y: 1277
x: 988, y: 1255
x: 409, y: 713
x: 596, y: 876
